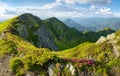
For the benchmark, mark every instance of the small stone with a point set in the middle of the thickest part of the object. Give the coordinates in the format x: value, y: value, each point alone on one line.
x: 101, y: 40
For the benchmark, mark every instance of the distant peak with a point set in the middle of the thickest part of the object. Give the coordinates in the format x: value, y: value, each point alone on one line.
x: 69, y: 19
x: 53, y: 18
x: 27, y: 14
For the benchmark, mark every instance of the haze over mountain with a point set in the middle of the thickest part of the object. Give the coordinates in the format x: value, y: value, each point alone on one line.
x: 79, y: 27
x: 99, y: 22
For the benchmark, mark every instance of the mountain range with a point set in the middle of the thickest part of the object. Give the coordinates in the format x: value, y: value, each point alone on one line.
x: 30, y: 46
x: 99, y: 22
x: 71, y: 23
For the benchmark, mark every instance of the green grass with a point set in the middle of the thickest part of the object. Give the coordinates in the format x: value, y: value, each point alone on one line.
x: 6, y: 24
x: 7, y: 47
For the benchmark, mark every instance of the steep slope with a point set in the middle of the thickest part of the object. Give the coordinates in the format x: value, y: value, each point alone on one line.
x: 64, y: 36
x: 14, y: 48
x: 79, y: 27
x: 6, y: 24
x: 35, y: 31
x: 32, y: 29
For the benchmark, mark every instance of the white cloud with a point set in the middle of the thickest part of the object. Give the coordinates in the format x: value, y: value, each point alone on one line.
x: 1, y: 12
x: 85, y: 1
x: 62, y: 10
x: 67, y: 1
x: 58, y: 9
x: 3, y: 6
x: 54, y: 9
x: 117, y: 15
x: 93, y: 7
x: 104, y: 11
x: 4, y: 12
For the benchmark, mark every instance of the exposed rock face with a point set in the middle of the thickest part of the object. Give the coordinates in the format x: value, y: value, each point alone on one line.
x: 50, y: 70
x: 113, y: 39
x: 101, y: 40
x: 32, y: 29
x: 71, y: 68
x: 110, y: 36
x: 45, y: 39
x: 3, y: 35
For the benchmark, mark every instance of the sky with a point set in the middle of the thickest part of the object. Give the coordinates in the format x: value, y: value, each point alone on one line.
x: 60, y: 8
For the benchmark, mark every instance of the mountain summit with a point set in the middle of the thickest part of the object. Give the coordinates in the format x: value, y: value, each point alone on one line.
x: 32, y: 29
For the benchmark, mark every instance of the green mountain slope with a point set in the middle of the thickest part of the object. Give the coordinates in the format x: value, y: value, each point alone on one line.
x: 32, y: 29
x: 16, y: 51
x: 100, y: 58
x: 65, y: 37
x: 50, y: 33
x: 6, y: 24
x: 90, y: 36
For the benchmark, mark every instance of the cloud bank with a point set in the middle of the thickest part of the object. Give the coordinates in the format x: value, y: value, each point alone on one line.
x: 85, y: 1
x: 61, y: 8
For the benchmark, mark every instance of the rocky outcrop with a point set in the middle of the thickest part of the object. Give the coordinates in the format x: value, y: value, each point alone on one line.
x: 32, y: 29
x: 3, y: 35
x: 101, y: 40
x: 50, y: 69
x: 71, y: 68
x: 113, y: 39
x: 45, y: 39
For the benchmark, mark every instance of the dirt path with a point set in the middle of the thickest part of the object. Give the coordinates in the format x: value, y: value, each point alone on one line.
x: 4, y: 66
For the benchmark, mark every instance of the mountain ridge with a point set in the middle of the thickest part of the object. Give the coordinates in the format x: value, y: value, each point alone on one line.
x: 99, y: 22
x: 50, y: 33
